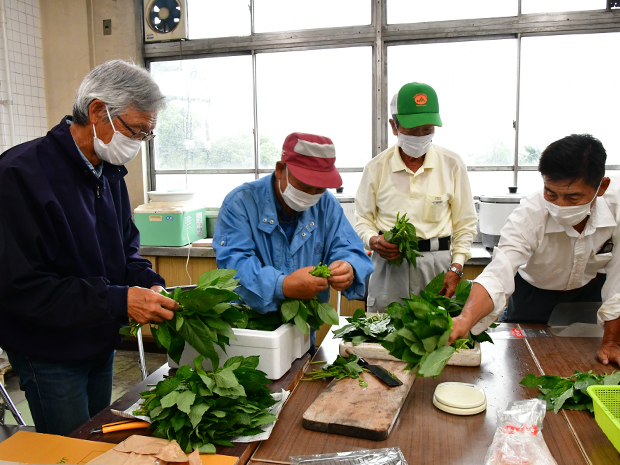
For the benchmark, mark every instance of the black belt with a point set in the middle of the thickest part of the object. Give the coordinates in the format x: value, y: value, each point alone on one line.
x: 425, y: 244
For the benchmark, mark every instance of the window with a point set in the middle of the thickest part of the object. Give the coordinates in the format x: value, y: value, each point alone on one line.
x: 324, y: 92
x: 566, y: 89
x: 289, y: 15
x: 476, y: 87
x: 262, y: 69
x: 420, y: 11
x: 216, y: 18
x: 551, y: 6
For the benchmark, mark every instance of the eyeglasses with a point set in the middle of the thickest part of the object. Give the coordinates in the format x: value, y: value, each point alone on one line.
x: 140, y: 135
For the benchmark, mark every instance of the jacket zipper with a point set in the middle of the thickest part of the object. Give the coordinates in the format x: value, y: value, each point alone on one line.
x: 98, y: 195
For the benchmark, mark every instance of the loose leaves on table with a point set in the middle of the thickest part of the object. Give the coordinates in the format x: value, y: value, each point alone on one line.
x: 404, y: 235
x: 205, y: 317
x: 361, y: 329
x: 570, y: 392
x: 340, y: 369
x: 201, y: 410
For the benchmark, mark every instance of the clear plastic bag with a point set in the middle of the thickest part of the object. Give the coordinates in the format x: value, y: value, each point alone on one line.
x: 518, y: 438
x: 386, y: 456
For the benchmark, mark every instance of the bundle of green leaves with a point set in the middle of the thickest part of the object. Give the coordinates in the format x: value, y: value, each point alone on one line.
x: 260, y: 321
x: 205, y: 317
x: 322, y: 271
x: 341, y: 368
x: 313, y: 312
x: 361, y: 329
x: 404, y: 235
x: 201, y: 410
x: 421, y: 333
x: 454, y: 306
x: 571, y: 392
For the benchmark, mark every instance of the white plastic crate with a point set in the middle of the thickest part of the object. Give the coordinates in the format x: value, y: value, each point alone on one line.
x: 277, y: 349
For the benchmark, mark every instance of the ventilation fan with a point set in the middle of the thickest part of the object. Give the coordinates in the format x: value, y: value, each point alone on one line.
x: 165, y: 20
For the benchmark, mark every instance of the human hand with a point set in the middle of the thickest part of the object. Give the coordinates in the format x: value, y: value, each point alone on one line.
x: 301, y: 284
x: 385, y: 249
x: 450, y: 282
x: 461, y: 327
x: 157, y: 288
x: 609, y: 352
x: 147, y: 305
x: 342, y: 275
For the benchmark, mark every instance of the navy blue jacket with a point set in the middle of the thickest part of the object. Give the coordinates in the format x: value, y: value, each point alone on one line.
x: 68, y: 251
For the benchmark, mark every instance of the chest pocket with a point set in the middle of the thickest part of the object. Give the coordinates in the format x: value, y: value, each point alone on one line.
x: 435, y: 208
x: 598, y: 262
x: 318, y: 249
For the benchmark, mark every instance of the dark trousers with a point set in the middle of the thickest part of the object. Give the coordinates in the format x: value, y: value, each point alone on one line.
x: 63, y: 396
x: 530, y: 304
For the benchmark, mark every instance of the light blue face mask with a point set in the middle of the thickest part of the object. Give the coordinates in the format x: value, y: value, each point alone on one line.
x: 296, y: 199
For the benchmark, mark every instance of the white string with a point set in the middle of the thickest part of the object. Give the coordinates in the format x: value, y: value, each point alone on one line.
x: 189, y: 249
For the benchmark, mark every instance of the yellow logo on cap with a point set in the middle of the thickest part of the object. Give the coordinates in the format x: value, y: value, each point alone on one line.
x: 420, y: 99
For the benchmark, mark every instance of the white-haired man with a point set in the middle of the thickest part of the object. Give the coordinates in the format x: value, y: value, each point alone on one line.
x: 71, y: 271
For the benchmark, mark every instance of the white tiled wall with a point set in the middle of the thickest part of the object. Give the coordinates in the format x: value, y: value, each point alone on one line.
x: 26, y: 65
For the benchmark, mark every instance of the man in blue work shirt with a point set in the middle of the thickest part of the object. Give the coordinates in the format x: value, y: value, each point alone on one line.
x: 274, y: 230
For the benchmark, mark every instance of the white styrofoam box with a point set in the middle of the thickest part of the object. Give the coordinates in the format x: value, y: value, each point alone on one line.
x: 277, y: 349
x: 463, y: 358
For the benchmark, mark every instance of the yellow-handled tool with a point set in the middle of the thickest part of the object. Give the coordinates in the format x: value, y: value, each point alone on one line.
x: 120, y: 426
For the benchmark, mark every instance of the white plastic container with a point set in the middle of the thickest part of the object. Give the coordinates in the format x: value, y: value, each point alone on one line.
x: 463, y: 358
x: 277, y: 349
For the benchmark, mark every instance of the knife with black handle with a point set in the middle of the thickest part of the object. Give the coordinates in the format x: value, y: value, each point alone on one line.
x: 381, y: 373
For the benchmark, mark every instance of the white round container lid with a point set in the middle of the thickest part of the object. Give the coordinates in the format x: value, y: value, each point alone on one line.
x: 460, y: 395
x: 459, y: 411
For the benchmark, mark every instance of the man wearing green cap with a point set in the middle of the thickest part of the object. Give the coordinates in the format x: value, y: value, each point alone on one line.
x: 427, y: 182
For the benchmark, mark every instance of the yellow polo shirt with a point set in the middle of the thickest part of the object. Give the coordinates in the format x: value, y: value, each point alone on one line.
x: 437, y: 198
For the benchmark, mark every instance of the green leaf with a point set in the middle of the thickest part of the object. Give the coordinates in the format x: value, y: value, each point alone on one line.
x: 213, y: 277
x: 301, y: 324
x: 430, y: 343
x: 196, y: 413
x: 207, y: 449
x: 226, y: 379
x: 434, y: 364
x: 170, y: 399
x: 612, y: 379
x: 163, y: 335
x: 289, y: 309
x: 185, y: 401
x: 167, y: 386
x: 327, y: 313
x: 359, y: 313
x: 563, y: 398
x: 436, y: 284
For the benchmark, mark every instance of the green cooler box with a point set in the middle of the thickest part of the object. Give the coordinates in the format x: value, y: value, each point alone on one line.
x: 170, y: 224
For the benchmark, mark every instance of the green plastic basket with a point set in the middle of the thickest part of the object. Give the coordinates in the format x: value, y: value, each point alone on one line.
x: 607, y: 411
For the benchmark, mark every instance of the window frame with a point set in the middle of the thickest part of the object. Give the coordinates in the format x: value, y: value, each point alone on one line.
x: 380, y: 35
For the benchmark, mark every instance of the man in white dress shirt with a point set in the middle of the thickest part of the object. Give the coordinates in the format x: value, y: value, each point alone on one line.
x: 557, y: 246
x: 427, y: 182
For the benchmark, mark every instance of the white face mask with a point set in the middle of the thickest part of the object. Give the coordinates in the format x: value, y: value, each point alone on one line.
x: 120, y: 150
x: 414, y: 146
x: 570, y: 215
x: 296, y: 199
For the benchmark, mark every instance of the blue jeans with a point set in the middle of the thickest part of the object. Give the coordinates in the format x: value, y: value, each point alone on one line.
x: 63, y: 396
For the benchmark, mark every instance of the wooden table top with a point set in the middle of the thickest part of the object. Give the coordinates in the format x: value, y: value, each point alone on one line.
x: 241, y: 450
x: 424, y: 433
x: 561, y: 356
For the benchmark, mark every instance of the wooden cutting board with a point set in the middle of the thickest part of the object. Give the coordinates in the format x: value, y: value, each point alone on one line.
x: 344, y: 407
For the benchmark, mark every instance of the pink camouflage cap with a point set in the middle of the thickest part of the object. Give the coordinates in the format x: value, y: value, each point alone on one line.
x: 311, y: 159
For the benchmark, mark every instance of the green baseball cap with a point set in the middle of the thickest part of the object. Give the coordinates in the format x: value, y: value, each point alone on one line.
x: 417, y: 105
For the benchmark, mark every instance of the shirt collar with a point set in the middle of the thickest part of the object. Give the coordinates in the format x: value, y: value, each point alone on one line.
x: 269, y: 215
x: 430, y: 160
x: 97, y: 170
